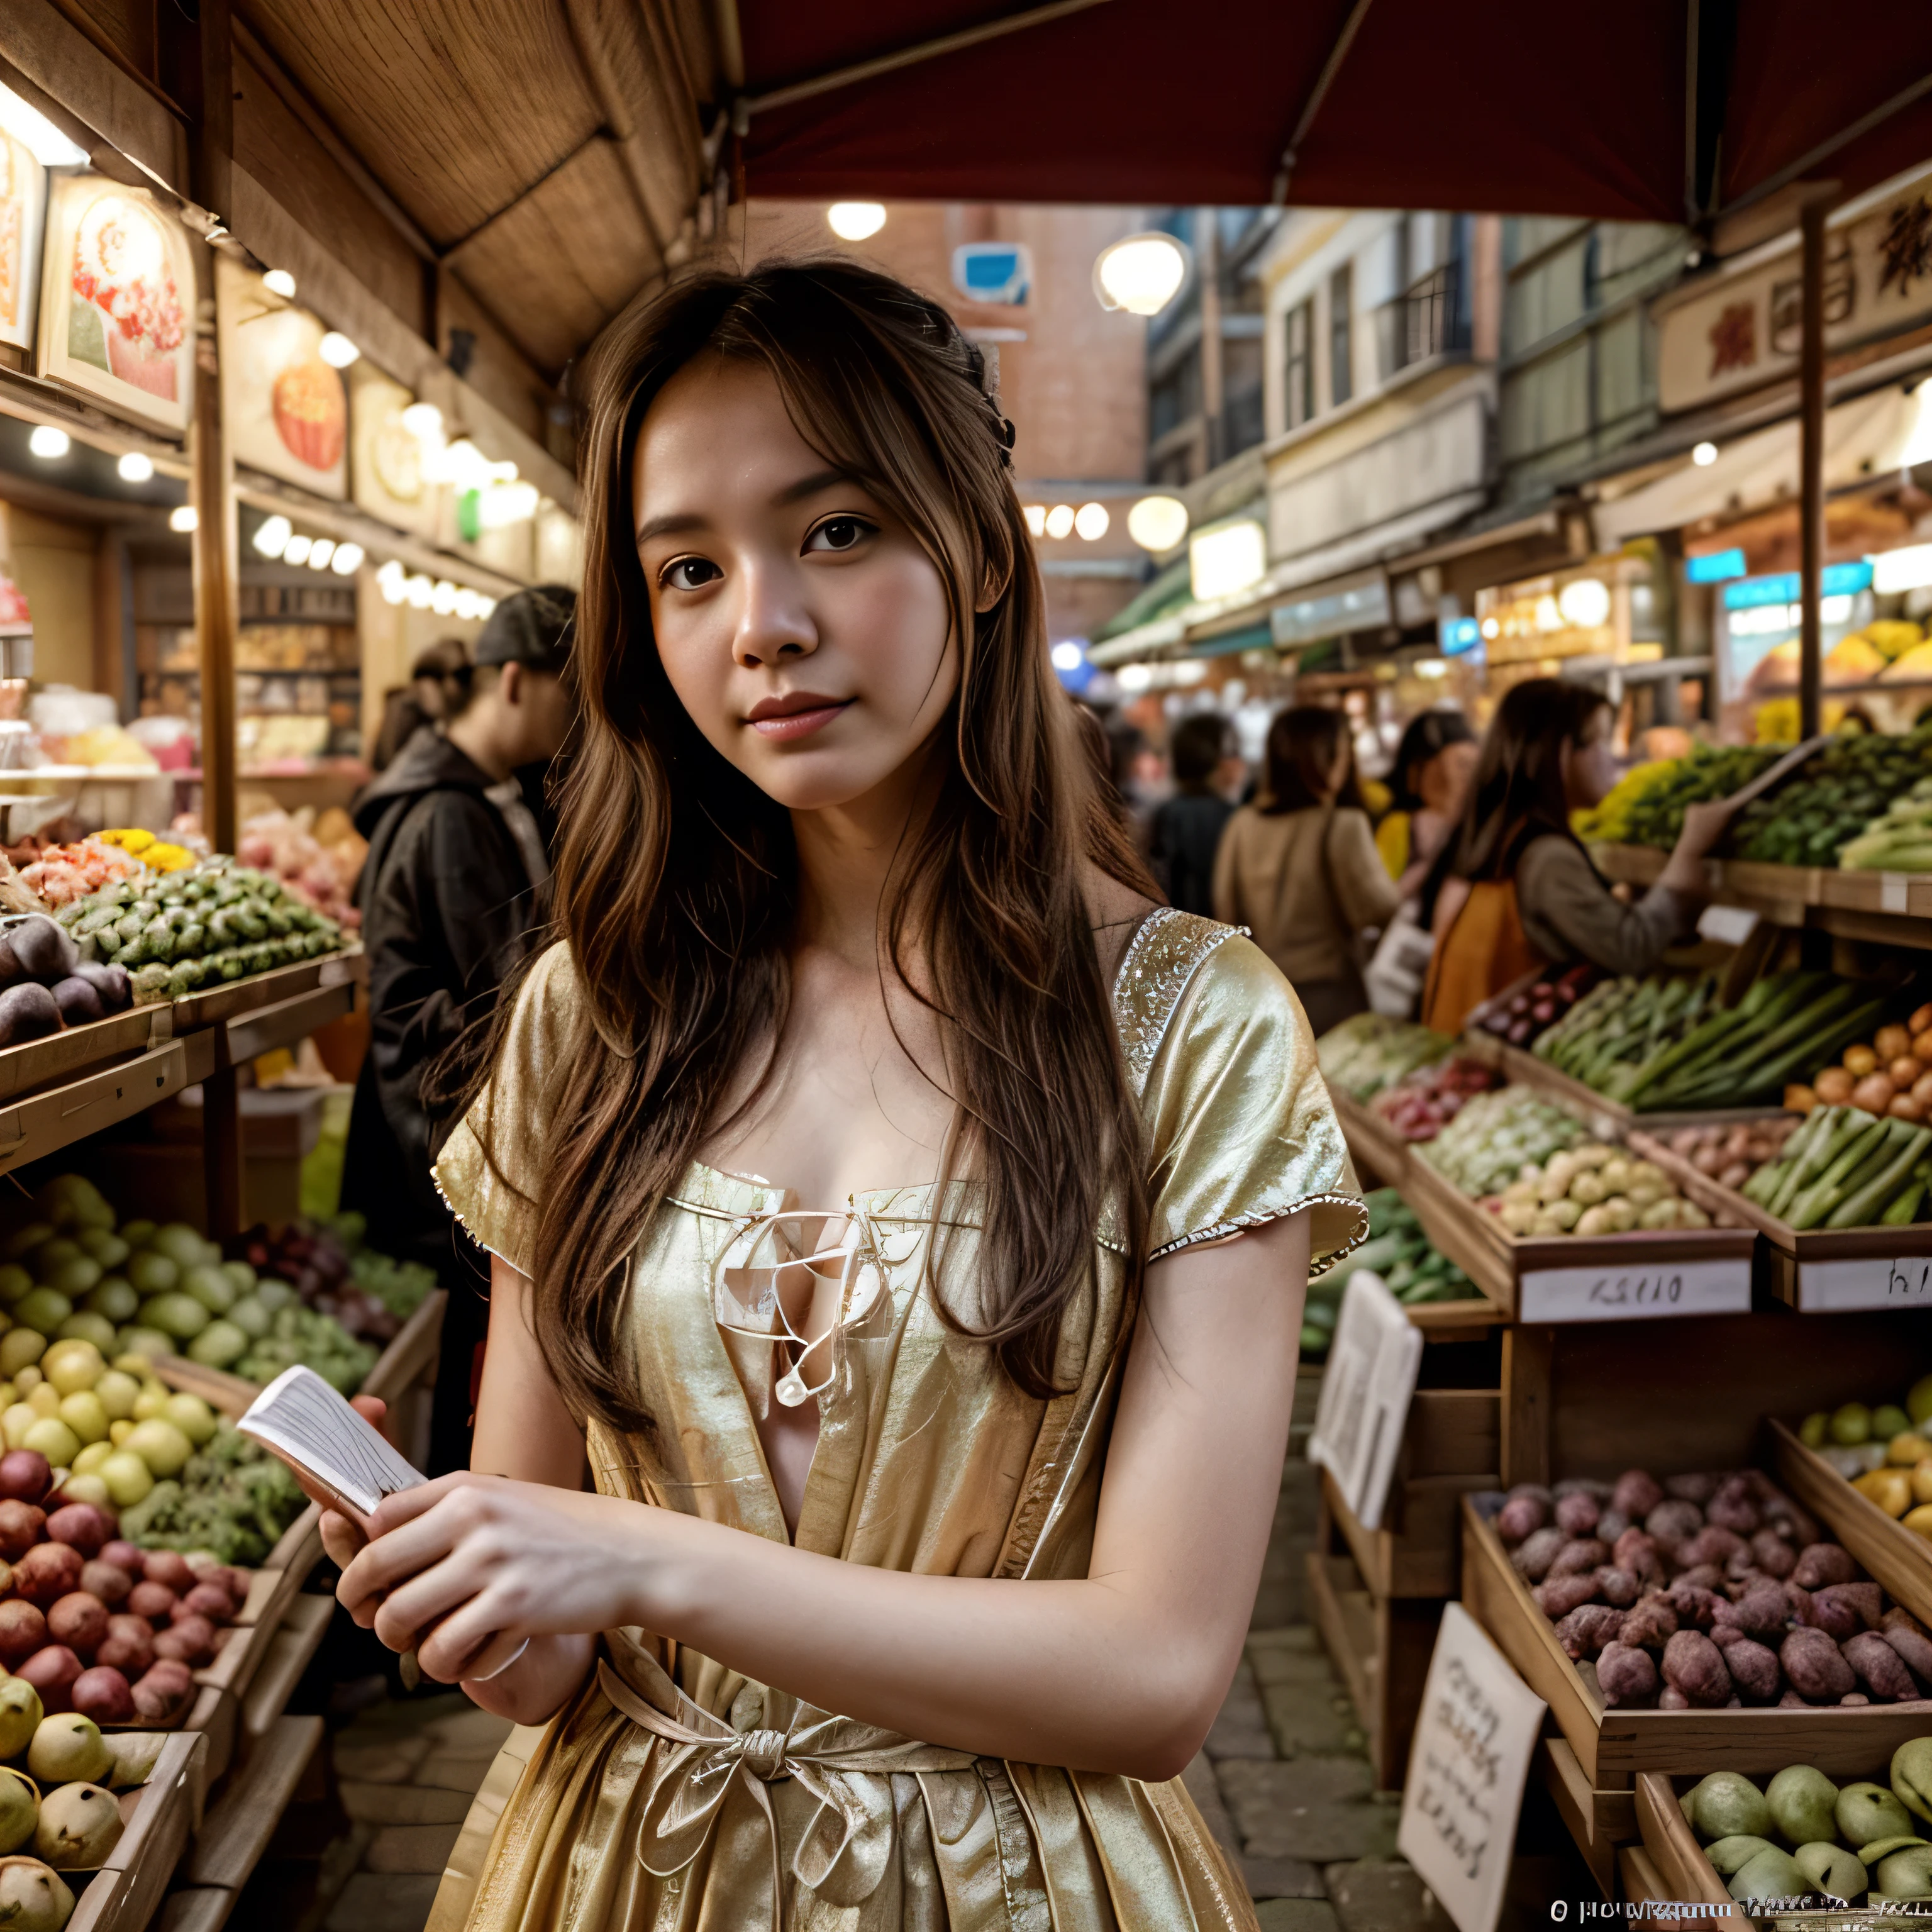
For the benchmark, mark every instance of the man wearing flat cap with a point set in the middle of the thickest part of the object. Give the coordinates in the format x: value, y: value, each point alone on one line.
x: 451, y: 890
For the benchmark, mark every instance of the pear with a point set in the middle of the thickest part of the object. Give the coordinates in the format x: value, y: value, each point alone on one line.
x: 20, y: 1715
x: 134, y: 1755
x: 1726, y: 1804
x: 1771, y: 1874
x: 19, y: 1808
x: 1911, y: 1776
x: 80, y: 1824
x: 1883, y: 1848
x: 68, y: 1749
x: 1831, y: 1869
x: 33, y: 1897
x: 1731, y: 1855
x: 1905, y: 1874
x: 1803, y: 1801
x: 1866, y: 1812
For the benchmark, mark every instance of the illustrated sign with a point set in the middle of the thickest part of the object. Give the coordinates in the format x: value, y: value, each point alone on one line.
x: 1827, y: 1288
x: 23, y: 207
x: 285, y: 408
x: 385, y: 466
x: 1365, y: 1395
x: 117, y: 300
x: 1466, y: 1771
x: 1732, y: 332
x: 1618, y: 1292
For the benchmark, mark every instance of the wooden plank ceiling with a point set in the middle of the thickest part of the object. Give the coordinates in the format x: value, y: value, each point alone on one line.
x: 548, y: 154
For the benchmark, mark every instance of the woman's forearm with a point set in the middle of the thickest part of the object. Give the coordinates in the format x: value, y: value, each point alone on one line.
x: 1077, y: 1673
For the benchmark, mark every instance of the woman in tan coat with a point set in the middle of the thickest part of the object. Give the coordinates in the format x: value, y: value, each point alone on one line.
x: 1299, y: 868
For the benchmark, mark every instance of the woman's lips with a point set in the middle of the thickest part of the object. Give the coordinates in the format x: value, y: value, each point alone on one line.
x: 800, y: 724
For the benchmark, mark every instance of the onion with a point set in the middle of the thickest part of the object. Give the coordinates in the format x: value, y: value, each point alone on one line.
x: 1834, y: 1086
x: 1922, y: 1045
x: 1873, y: 1094
x: 1921, y: 1089
x: 1905, y: 1070
x: 1859, y: 1060
x: 1800, y: 1100
x: 1891, y: 1041
x: 1921, y: 1020
x: 1906, y: 1107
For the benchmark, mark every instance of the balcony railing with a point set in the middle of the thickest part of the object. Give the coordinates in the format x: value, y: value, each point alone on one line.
x: 1430, y: 320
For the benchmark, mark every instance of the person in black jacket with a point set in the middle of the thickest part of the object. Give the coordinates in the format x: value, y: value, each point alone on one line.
x: 1186, y: 829
x: 457, y: 866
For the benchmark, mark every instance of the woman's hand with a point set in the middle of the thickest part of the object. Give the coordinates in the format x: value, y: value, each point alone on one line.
x: 466, y: 1568
x: 1705, y: 823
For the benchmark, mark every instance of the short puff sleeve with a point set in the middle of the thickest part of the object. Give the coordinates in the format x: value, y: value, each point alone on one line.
x: 1239, y: 1126
x: 489, y: 1169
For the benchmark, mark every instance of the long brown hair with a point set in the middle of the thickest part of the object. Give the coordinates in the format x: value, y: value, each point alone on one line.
x: 1303, y: 743
x: 676, y: 885
x: 1518, y: 794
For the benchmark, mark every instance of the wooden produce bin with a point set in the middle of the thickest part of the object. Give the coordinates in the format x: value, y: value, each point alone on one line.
x: 1378, y: 1593
x: 1897, y: 1558
x: 1379, y: 1151
x: 1601, y: 1822
x: 161, y: 1817
x: 1670, y: 1864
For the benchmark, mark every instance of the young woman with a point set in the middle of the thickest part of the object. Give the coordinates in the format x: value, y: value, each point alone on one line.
x: 1433, y: 766
x: 1300, y: 869
x: 1518, y: 891
x: 882, y: 1420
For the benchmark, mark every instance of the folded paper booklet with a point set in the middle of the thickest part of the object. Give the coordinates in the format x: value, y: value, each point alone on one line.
x: 302, y: 1419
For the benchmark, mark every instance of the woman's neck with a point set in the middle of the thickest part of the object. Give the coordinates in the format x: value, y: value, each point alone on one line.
x: 846, y: 854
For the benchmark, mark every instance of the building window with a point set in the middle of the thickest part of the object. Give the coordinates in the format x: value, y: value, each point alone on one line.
x: 1341, y: 328
x: 1301, y: 363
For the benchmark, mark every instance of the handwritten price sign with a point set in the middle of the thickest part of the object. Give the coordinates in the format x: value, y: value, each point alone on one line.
x: 1834, y: 1287
x: 1600, y: 1294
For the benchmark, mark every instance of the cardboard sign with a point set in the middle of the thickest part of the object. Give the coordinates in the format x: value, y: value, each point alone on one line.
x: 1833, y: 1287
x: 1466, y: 1770
x: 1365, y: 1395
x: 1636, y: 1293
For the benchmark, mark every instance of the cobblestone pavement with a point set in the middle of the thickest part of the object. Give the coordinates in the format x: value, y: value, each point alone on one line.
x: 1284, y: 1782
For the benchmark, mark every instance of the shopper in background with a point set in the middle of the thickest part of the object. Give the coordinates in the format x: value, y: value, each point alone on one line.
x: 1433, y: 766
x: 441, y: 669
x: 449, y: 897
x: 1186, y: 831
x: 1299, y: 868
x: 1518, y: 893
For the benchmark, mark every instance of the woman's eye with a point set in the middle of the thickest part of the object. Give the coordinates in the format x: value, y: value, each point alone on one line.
x: 838, y: 533
x: 689, y: 573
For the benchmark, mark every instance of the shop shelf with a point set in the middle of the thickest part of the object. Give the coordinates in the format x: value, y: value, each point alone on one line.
x: 1378, y: 1149
x: 236, y: 999
x: 1670, y: 1847
x: 1382, y: 1646
x: 240, y: 1822
x: 1599, y: 1821
x: 35, y: 1063
x: 1613, y: 1745
x: 1897, y: 1558
x: 35, y: 1125
x: 1816, y: 1270
x: 162, y: 1816
x: 294, y: 1645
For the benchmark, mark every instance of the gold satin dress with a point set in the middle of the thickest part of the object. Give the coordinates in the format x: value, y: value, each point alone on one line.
x: 673, y: 1795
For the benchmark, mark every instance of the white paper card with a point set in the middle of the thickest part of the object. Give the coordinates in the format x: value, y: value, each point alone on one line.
x: 1726, y: 924
x: 1894, y: 892
x: 1466, y: 1770
x: 1636, y: 1292
x: 1365, y: 1394
x: 1833, y: 1287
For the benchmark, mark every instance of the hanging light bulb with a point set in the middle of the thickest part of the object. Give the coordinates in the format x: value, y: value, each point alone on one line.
x: 442, y: 598
x: 420, y: 592
x: 47, y: 443
x: 855, y: 221
x: 1142, y: 275
x: 272, y: 538
x: 391, y: 582
x: 134, y: 467
x: 185, y: 519
x: 337, y: 350
x: 320, y: 552
x: 280, y: 282
x: 347, y: 560
x: 296, y: 550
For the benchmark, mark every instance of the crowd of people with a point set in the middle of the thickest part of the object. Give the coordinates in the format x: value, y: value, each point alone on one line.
x: 1465, y: 855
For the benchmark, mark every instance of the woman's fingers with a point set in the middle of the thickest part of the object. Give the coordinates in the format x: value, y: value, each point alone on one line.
x: 399, y: 1551
x: 342, y: 1541
x: 405, y: 1505
x: 424, y: 1599
x: 469, y: 1643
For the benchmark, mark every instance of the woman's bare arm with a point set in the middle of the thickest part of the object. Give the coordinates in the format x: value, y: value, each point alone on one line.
x: 1121, y: 1671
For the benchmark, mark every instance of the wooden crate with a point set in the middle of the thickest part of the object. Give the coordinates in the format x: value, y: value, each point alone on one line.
x: 1606, y: 1118
x: 1687, y: 1877
x: 1612, y: 1746
x: 1599, y: 1821
x: 1378, y: 1149
x: 1382, y: 1646
x: 1896, y: 1556
x: 162, y: 1816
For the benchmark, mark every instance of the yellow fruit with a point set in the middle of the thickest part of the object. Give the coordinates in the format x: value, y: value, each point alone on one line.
x: 15, y: 1424
x: 1811, y: 1431
x: 1921, y: 1480
x: 127, y: 1477
x: 44, y: 1399
x: 196, y: 1420
x: 72, y: 1366
x: 83, y: 1414
x: 1891, y: 1489
x: 138, y: 1366
x: 118, y: 1392
x: 1919, y: 1521
x: 147, y: 1404
x: 1907, y: 1448
x: 19, y: 1348
x: 54, y: 1441
x: 28, y: 1379
x: 165, y: 1449
x: 92, y: 1455
x: 119, y: 1430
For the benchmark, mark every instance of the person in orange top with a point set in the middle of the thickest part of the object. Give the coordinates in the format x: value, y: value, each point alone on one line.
x: 1518, y: 891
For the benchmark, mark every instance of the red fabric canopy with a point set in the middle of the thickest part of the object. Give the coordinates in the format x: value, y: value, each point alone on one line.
x: 1515, y: 106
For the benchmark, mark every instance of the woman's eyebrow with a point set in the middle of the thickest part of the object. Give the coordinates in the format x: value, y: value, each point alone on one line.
x: 679, y: 522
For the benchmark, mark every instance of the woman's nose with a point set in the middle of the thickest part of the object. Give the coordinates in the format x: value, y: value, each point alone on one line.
x: 774, y: 623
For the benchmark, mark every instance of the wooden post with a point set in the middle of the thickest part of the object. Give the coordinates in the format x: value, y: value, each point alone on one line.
x: 1811, y: 465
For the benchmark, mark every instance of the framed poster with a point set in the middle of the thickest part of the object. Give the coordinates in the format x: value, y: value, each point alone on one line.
x: 285, y: 410
x: 385, y: 461
x: 23, y: 207
x: 117, y: 300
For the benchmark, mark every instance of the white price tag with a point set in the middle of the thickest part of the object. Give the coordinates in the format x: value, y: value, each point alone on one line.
x: 1827, y: 1288
x: 1894, y: 892
x: 1609, y: 1293
x: 1466, y: 1771
x: 1726, y: 924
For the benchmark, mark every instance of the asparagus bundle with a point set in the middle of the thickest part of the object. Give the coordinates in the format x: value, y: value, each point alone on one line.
x: 1844, y: 1168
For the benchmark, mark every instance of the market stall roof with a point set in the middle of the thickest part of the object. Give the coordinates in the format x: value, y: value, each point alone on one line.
x: 1620, y: 113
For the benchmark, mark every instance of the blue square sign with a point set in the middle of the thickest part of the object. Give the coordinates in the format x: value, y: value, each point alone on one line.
x: 993, y: 272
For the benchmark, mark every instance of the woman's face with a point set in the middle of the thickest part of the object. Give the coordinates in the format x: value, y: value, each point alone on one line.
x: 1590, y: 764
x: 799, y: 622
x: 1445, y: 780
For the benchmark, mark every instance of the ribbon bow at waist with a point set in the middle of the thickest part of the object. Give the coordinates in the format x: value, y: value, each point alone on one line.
x: 845, y: 1766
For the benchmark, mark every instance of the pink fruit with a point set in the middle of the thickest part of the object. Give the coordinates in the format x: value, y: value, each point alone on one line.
x: 80, y: 1524
x: 24, y: 1475
x: 52, y: 1671
x: 103, y: 1694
